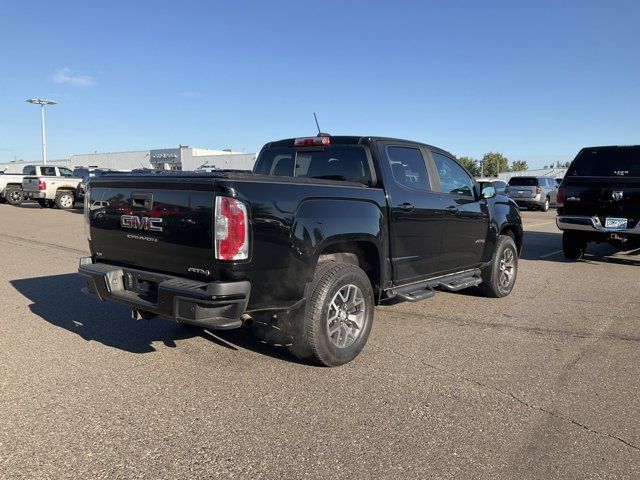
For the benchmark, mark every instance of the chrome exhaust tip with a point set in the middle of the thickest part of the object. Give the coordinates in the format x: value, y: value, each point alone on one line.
x: 247, y: 320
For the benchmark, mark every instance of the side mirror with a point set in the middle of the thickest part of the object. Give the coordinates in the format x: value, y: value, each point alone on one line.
x: 488, y: 191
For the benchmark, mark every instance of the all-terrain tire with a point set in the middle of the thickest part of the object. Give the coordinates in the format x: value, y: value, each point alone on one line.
x: 14, y: 195
x: 499, y: 277
x: 65, y: 199
x: 574, y: 245
x: 338, y: 315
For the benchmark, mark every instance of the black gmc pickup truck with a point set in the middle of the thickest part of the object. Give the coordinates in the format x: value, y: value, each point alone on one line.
x: 323, y: 229
x: 599, y: 200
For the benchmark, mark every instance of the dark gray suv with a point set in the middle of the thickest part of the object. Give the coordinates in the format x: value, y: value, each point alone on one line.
x: 533, y: 192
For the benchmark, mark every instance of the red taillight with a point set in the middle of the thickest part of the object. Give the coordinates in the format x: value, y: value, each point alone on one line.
x: 538, y: 190
x: 231, y: 229
x: 42, y: 185
x: 312, y: 142
x: 560, y: 197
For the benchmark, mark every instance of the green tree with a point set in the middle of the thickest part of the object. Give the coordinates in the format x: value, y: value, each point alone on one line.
x: 519, y: 165
x: 493, y: 161
x: 470, y: 164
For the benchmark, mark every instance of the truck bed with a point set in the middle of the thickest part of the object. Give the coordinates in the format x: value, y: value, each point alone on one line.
x: 285, y: 215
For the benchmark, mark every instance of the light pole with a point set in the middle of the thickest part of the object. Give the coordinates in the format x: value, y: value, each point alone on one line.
x: 42, y: 102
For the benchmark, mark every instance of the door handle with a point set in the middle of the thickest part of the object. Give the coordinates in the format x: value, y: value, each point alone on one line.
x: 406, y: 207
x: 451, y: 209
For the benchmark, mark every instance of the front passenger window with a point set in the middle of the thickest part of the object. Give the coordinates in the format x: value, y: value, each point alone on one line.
x: 453, y: 178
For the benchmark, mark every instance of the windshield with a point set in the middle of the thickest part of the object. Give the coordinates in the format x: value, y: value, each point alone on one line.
x: 607, y: 162
x: 331, y: 163
x: 523, y: 181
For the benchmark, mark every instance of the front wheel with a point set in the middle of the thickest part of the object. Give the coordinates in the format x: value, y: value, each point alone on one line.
x: 65, y: 200
x: 499, y: 277
x: 338, y: 315
x: 14, y: 195
x: 574, y: 245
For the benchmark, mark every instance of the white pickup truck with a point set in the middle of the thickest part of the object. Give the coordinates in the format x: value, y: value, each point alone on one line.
x: 51, y: 186
x: 11, y: 183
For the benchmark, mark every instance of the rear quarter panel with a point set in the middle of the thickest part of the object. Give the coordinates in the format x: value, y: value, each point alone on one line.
x: 292, y: 224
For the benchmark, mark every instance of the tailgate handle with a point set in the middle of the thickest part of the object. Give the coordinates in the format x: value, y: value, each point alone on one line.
x: 142, y: 200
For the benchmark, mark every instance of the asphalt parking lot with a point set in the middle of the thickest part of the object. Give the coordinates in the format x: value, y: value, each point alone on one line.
x: 541, y: 384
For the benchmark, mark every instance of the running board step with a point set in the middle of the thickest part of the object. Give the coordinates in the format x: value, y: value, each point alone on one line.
x: 455, y: 286
x: 417, y: 295
x: 425, y: 289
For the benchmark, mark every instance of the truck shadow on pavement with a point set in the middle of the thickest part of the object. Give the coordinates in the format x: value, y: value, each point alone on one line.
x: 547, y: 246
x: 58, y: 300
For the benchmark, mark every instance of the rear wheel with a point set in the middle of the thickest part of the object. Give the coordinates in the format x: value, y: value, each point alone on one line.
x: 14, y: 195
x: 574, y: 245
x: 338, y: 315
x: 65, y: 200
x: 499, y: 277
x: 545, y: 205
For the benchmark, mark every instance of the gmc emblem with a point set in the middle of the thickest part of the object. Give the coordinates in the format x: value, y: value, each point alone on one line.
x: 141, y: 223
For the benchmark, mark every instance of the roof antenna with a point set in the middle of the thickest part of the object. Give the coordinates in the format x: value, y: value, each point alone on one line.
x: 320, y: 134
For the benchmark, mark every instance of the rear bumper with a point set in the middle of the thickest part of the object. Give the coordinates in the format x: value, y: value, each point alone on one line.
x: 34, y: 194
x: 538, y: 200
x: 216, y: 305
x: 591, y: 224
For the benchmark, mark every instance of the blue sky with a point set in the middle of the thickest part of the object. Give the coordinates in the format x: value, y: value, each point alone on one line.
x: 535, y: 80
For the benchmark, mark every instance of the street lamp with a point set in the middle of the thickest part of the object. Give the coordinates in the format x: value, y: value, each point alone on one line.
x: 42, y: 102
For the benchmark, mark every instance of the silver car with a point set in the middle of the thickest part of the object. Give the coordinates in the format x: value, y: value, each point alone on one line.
x: 533, y: 192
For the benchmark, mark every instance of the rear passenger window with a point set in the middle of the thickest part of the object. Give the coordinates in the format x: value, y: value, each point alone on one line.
x: 48, y: 171
x: 408, y: 167
x: 453, y: 178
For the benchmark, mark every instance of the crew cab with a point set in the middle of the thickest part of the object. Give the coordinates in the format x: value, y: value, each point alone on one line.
x: 51, y: 186
x: 323, y: 229
x: 599, y: 200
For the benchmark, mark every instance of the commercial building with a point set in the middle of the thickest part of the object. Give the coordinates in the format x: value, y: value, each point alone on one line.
x: 189, y: 158
x: 540, y: 172
x: 180, y: 158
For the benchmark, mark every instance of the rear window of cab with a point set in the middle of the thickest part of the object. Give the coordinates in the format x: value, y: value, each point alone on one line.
x: 607, y: 162
x: 346, y: 163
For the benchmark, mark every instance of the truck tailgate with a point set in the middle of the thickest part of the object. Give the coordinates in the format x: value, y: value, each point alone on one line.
x: 155, y: 228
x: 31, y: 184
x: 614, y: 197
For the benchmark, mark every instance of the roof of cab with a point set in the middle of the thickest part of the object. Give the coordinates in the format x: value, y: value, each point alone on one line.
x: 355, y: 140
